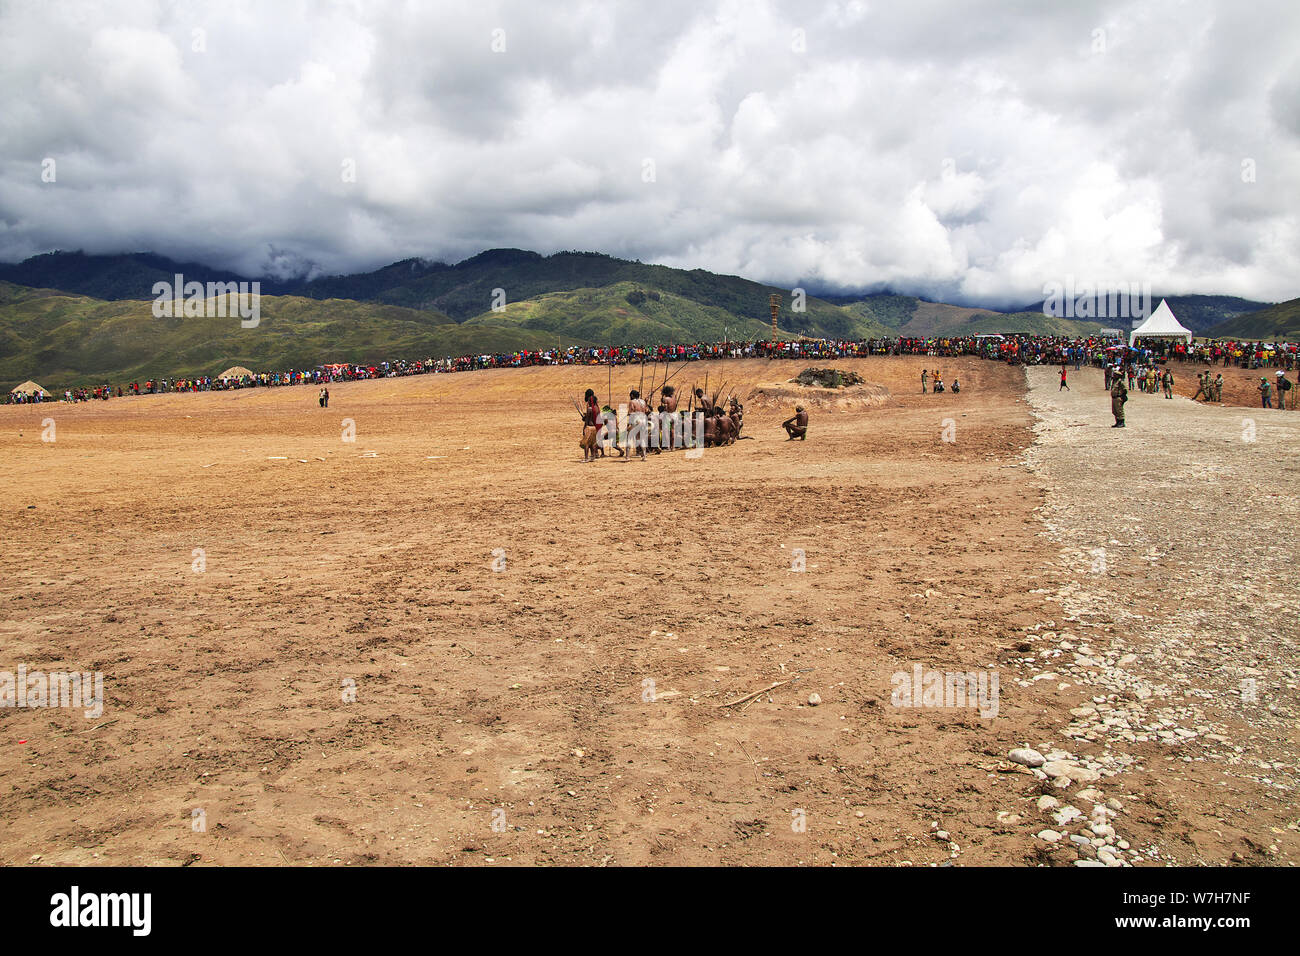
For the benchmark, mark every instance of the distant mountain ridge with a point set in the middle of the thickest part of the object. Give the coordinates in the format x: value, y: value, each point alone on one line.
x: 466, y: 289
x: 1279, y: 322
x: 68, y: 315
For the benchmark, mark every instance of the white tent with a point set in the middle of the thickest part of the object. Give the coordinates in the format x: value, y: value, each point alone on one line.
x: 1161, y: 324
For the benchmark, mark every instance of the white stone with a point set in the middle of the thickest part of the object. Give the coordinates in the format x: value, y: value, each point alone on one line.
x: 1064, y: 768
x: 1026, y: 756
x: 1067, y: 814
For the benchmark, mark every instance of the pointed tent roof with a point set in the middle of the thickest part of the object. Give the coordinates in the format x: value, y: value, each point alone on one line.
x: 1161, y: 324
x: 29, y: 387
x: 236, y: 371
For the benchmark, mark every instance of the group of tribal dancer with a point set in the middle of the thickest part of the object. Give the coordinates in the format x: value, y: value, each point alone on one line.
x: 706, y: 422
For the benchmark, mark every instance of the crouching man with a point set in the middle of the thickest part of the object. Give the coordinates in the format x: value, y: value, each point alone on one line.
x: 797, y: 427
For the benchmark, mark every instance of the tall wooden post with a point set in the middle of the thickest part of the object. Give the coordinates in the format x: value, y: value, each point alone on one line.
x: 774, y: 301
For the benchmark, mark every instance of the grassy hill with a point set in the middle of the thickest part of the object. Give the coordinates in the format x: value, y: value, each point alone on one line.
x: 61, y: 340
x: 1281, y: 321
x: 465, y: 291
x: 461, y: 291
x: 1202, y: 312
x: 627, y: 313
x: 939, y: 319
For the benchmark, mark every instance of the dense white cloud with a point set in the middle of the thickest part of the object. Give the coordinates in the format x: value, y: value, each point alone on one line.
x: 971, y: 150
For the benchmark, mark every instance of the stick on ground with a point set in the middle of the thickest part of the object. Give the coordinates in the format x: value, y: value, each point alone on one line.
x: 741, y: 700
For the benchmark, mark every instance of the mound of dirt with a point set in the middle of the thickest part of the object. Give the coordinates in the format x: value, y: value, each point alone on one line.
x: 828, y: 378
x: 787, y: 395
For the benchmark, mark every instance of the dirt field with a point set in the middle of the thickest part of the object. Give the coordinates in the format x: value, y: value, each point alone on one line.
x: 340, y: 676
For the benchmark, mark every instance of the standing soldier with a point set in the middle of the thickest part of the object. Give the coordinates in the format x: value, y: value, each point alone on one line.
x: 1217, y: 388
x: 1118, y: 396
x: 1168, y: 381
x: 925, y: 377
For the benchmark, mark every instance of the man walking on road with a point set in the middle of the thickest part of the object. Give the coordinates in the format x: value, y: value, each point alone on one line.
x: 1202, y: 381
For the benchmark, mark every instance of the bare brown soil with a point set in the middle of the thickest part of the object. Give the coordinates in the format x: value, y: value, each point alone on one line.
x: 571, y: 708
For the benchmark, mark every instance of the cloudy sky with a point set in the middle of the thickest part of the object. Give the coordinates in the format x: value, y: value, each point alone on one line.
x: 970, y: 150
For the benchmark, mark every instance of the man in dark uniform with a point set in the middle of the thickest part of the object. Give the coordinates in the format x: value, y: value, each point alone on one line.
x: 1118, y: 396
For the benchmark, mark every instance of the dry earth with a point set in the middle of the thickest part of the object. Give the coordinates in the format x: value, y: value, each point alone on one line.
x: 572, y: 708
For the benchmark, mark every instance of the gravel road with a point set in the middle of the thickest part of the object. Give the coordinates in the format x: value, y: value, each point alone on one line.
x: 1178, y: 587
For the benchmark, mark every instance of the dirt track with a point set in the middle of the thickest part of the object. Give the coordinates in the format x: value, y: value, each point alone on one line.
x: 1178, y: 547
x: 522, y: 698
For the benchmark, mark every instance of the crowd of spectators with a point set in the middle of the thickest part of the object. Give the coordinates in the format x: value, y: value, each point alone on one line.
x: 1022, y: 349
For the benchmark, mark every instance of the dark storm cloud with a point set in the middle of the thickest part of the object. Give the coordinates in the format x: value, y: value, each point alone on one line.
x: 973, y: 150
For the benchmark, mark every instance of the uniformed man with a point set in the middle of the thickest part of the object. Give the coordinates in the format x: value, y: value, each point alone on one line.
x: 1202, y: 384
x: 1118, y: 396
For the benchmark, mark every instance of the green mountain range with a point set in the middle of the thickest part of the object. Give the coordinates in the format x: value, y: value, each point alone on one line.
x: 71, y: 318
x: 1279, y: 322
x: 63, y: 341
